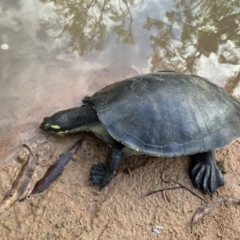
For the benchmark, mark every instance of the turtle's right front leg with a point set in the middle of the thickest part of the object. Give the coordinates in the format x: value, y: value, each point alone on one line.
x: 102, y: 174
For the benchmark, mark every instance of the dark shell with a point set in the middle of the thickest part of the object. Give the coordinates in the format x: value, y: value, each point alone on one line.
x: 168, y: 114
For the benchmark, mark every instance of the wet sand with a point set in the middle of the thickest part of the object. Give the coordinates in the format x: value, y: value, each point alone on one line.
x: 72, y: 208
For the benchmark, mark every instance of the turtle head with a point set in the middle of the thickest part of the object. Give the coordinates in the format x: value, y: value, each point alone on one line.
x: 68, y: 121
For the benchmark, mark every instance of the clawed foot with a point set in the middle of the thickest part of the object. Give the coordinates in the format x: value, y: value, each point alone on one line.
x: 205, y: 174
x: 100, y: 176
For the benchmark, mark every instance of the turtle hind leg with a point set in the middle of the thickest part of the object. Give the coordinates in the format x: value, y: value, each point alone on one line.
x: 204, y: 172
x: 102, y: 174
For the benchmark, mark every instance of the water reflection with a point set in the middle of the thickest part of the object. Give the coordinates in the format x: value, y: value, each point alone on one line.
x: 184, y: 35
x: 192, y: 29
x: 87, y: 24
x: 59, y: 51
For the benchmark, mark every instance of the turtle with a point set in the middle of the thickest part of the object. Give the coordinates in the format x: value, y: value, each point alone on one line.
x: 162, y: 114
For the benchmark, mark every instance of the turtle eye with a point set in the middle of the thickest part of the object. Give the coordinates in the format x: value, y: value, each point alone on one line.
x: 56, y: 127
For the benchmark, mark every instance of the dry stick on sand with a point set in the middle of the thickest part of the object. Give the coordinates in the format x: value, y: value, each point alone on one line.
x: 20, y: 183
x: 55, y: 170
x: 173, y: 188
x: 201, y: 212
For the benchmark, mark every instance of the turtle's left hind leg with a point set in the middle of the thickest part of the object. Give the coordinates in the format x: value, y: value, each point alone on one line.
x: 204, y: 172
x: 102, y: 174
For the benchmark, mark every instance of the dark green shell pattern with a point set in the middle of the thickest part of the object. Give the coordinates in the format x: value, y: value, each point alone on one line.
x: 168, y: 114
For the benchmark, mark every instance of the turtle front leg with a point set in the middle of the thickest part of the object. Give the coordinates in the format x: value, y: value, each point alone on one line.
x: 204, y: 173
x: 102, y: 174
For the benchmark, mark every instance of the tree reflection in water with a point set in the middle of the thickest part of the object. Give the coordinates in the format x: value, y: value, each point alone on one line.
x: 87, y: 23
x: 192, y: 28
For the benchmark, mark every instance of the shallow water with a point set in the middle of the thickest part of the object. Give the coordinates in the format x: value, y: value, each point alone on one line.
x: 54, y: 52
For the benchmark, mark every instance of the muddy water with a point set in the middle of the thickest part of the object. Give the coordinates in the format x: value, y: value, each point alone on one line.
x: 55, y: 52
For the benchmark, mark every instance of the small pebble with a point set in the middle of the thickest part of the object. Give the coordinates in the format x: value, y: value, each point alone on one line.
x: 21, y: 157
x: 57, y: 225
x: 158, y: 229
